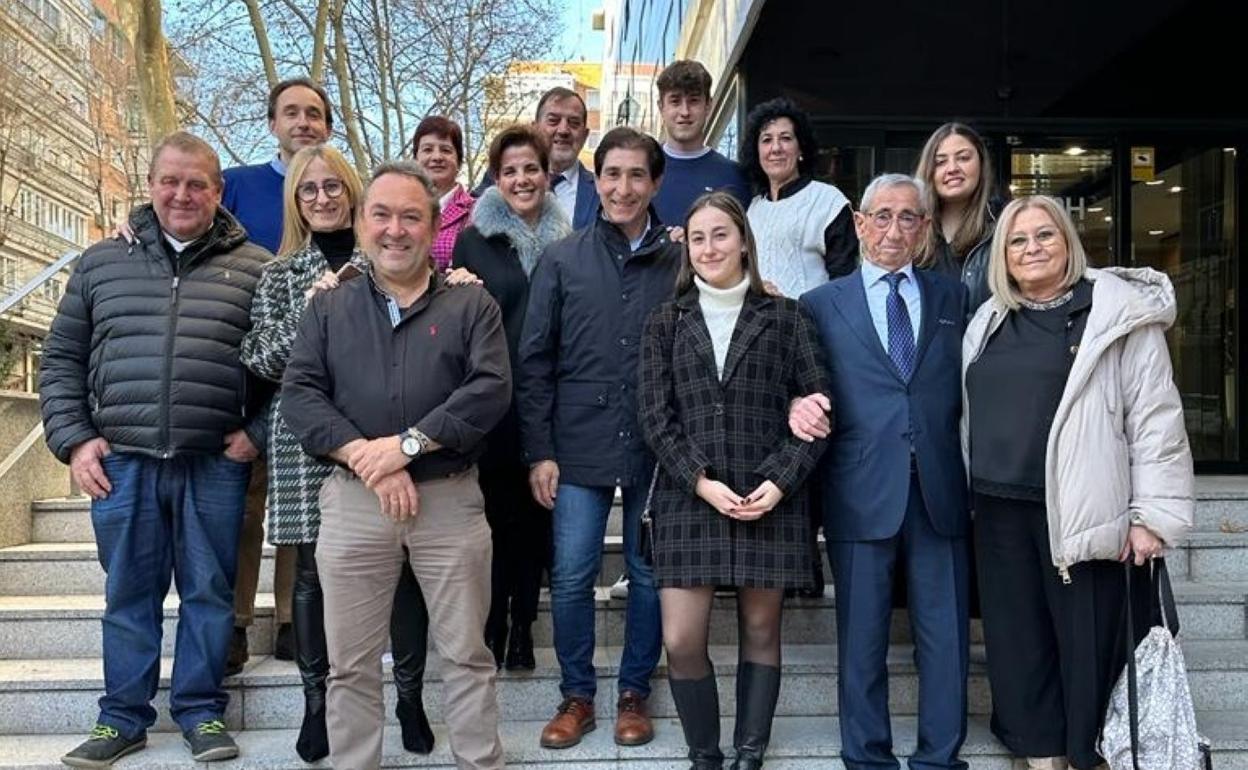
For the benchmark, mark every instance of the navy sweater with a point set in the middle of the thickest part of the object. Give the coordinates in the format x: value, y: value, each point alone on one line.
x: 253, y: 194
x: 684, y: 179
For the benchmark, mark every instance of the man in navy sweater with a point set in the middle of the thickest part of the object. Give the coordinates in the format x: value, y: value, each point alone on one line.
x: 300, y: 115
x: 692, y: 167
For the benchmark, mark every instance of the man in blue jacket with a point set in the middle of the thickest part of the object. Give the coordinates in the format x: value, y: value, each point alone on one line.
x: 576, y: 391
x: 894, y: 487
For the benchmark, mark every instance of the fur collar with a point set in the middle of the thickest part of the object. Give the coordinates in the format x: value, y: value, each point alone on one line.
x: 492, y: 217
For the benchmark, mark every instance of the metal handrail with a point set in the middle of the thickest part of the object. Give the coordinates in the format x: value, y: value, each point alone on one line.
x: 43, y: 277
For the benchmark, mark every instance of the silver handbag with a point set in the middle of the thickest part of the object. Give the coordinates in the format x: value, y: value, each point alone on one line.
x: 1150, y: 723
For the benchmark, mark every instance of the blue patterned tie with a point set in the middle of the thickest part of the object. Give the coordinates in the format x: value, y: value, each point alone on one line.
x: 900, y: 332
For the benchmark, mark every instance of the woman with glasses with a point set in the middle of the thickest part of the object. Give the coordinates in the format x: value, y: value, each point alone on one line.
x: 956, y: 172
x: 804, y: 228
x: 729, y: 503
x: 318, y: 245
x: 1074, y: 439
x: 438, y: 146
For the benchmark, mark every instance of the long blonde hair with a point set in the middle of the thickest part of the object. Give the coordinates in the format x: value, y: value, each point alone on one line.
x: 977, y: 223
x: 295, y: 231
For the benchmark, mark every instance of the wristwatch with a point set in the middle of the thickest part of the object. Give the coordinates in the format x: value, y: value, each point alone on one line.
x: 413, y: 443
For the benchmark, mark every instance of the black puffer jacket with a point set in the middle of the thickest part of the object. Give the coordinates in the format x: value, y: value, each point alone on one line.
x: 145, y: 354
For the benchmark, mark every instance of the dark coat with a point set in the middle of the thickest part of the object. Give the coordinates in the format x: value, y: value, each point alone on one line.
x: 973, y: 270
x: 490, y: 249
x: 734, y: 430
x: 144, y: 348
x: 576, y: 388
x: 880, y: 416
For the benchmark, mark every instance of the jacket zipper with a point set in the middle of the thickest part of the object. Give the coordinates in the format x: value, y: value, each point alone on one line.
x: 1064, y: 572
x: 166, y: 407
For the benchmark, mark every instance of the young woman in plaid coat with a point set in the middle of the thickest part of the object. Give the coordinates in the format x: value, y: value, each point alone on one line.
x: 719, y: 366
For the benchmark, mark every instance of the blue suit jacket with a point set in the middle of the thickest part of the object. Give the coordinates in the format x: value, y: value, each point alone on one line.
x: 866, y: 470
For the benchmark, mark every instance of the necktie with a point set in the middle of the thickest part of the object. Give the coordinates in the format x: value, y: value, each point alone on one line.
x: 900, y: 332
x: 555, y: 179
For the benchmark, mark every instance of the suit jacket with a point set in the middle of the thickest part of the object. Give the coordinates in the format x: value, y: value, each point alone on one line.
x: 587, y: 202
x: 866, y: 470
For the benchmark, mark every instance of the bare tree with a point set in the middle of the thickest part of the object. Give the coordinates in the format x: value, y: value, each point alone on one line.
x: 387, y: 63
x: 142, y: 22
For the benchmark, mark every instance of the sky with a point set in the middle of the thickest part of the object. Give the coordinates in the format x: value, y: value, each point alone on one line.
x: 579, y: 40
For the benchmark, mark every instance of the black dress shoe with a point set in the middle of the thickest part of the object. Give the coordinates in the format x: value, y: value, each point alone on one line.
x: 520, y: 649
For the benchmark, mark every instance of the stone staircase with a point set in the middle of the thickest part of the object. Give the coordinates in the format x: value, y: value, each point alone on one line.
x: 51, y: 599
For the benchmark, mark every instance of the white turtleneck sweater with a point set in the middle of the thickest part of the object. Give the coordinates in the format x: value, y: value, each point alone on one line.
x: 720, y: 309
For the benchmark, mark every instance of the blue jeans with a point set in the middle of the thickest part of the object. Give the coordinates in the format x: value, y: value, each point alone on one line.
x: 176, y: 518
x: 580, y: 521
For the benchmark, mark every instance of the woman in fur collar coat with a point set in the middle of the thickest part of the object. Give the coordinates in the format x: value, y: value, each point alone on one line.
x: 513, y: 223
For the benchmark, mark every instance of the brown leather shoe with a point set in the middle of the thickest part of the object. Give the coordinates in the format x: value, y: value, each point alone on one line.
x: 632, y: 724
x: 575, y: 718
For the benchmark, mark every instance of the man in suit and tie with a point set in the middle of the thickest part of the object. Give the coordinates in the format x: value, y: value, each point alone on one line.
x: 563, y: 119
x: 894, y: 487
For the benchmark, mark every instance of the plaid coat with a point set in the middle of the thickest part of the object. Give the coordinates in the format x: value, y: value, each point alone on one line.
x: 294, y: 476
x: 734, y: 430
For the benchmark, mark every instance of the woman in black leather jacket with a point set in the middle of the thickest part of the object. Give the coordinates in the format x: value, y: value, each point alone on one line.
x: 957, y: 175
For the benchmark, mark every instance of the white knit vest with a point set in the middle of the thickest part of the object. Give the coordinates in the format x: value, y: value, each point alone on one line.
x: 789, y: 236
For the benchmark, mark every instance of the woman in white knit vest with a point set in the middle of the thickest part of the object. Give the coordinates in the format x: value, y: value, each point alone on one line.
x: 719, y: 366
x: 804, y: 228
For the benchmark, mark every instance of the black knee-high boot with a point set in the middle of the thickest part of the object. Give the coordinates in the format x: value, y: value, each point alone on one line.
x: 308, y: 615
x: 758, y: 688
x: 697, y: 704
x: 409, y: 635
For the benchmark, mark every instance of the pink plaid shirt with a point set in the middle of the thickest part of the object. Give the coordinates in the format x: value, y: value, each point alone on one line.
x: 455, y: 218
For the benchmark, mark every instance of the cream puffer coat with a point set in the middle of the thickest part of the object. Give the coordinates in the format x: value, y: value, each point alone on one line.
x: 1117, y: 450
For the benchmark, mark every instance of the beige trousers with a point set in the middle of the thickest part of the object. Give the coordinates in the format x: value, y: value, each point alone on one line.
x: 359, y: 555
x: 250, y: 550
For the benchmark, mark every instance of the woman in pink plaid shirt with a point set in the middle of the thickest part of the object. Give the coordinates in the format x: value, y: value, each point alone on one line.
x: 438, y: 145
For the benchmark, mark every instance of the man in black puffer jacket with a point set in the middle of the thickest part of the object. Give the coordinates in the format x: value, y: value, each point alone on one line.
x: 143, y: 395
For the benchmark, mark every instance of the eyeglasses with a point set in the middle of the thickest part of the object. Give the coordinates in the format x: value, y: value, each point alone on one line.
x: 908, y: 221
x: 1044, y: 239
x: 307, y: 191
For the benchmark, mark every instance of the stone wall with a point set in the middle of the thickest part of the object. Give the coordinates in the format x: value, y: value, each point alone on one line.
x: 33, y: 475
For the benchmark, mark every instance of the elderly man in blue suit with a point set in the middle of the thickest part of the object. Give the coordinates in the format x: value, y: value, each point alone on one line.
x: 894, y: 487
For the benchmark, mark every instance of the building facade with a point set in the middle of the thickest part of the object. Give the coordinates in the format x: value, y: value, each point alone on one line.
x: 72, y: 154
x: 1123, y: 110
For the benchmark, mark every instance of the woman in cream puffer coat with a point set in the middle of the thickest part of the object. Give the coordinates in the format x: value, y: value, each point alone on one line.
x: 1073, y: 436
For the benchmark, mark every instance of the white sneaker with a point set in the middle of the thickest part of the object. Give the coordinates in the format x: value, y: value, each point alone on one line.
x: 620, y: 589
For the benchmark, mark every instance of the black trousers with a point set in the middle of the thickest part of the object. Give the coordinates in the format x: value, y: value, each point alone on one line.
x: 520, y: 530
x: 409, y: 629
x: 1054, y: 650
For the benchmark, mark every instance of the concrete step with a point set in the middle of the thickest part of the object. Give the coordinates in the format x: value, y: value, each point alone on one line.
x: 41, y: 569
x: 68, y: 626
x: 797, y: 743
x: 59, y: 696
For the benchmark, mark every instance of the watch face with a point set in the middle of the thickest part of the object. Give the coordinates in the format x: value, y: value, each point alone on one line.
x: 410, y: 446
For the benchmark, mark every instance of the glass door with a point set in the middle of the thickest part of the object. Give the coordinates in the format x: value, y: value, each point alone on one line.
x: 1183, y: 223
x: 1082, y: 177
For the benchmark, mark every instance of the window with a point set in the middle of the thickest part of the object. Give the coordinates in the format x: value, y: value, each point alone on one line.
x: 8, y: 273
x: 118, y: 41
x: 52, y: 289
x: 51, y: 217
x: 591, y: 99
x: 99, y: 24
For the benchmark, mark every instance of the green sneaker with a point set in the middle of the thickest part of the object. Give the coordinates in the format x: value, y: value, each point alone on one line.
x: 209, y: 742
x: 103, y: 748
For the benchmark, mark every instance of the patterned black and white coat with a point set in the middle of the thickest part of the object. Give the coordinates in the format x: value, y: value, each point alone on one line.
x: 734, y: 429
x: 294, y: 476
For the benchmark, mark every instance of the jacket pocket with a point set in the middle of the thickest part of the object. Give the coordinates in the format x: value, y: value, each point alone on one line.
x: 583, y: 426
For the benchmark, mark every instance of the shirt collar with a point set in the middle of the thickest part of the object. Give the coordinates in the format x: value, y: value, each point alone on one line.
x: 571, y: 172
x: 277, y: 165
x: 634, y: 245
x: 179, y: 246
x: 873, y: 273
